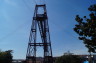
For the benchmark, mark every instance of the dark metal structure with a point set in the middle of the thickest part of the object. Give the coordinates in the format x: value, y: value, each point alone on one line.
x: 40, y: 20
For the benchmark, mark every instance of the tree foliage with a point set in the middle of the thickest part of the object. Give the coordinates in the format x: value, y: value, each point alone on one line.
x: 68, y: 59
x: 6, y: 56
x: 86, y: 28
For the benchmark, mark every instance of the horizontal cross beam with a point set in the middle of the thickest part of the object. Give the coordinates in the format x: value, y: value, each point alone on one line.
x: 39, y: 44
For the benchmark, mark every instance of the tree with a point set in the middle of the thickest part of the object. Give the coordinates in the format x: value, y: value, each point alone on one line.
x: 86, y: 28
x: 6, y: 56
x: 68, y: 59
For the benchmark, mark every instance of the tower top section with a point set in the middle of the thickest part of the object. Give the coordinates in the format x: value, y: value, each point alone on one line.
x: 40, y: 13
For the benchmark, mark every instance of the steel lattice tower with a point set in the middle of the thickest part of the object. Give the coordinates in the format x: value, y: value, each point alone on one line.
x: 40, y: 21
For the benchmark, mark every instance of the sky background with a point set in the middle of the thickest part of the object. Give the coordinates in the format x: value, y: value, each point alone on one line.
x: 15, y: 24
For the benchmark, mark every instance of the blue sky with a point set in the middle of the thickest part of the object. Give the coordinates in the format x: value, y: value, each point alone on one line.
x: 15, y: 22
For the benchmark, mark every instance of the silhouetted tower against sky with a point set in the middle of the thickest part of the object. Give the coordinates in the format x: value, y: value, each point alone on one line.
x: 40, y: 21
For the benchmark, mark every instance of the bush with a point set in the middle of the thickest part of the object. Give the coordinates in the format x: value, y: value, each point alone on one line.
x: 68, y: 59
x: 6, y: 56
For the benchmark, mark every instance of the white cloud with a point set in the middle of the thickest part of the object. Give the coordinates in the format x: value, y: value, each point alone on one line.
x: 80, y: 51
x: 10, y: 2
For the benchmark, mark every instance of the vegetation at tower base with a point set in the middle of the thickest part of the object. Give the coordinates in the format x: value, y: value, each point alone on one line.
x: 6, y: 56
x: 86, y: 28
x: 68, y: 59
